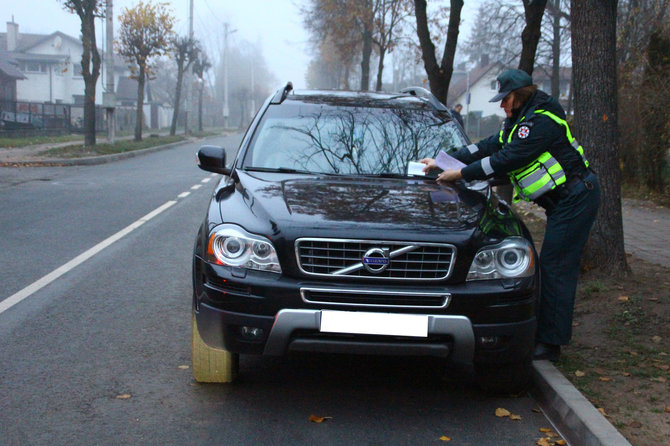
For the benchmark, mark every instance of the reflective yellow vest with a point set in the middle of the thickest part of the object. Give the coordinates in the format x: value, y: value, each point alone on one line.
x: 544, y: 173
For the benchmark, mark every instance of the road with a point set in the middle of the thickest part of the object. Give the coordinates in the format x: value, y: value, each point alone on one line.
x: 98, y: 352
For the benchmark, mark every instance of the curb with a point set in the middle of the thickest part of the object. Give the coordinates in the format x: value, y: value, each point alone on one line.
x: 91, y: 160
x: 573, y: 416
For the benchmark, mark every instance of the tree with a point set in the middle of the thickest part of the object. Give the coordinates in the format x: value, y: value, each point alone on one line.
x: 390, y: 16
x: 144, y: 34
x: 185, y: 51
x: 200, y: 67
x: 533, y: 10
x: 593, y: 29
x: 88, y: 11
x: 439, y: 76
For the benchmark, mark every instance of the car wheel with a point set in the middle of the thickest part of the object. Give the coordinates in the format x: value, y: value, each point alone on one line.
x: 211, y: 365
x: 512, y: 378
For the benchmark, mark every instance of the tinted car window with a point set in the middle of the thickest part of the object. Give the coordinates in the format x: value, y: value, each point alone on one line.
x: 349, y: 140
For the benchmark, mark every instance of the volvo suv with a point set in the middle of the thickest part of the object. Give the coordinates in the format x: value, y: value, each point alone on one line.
x: 324, y: 235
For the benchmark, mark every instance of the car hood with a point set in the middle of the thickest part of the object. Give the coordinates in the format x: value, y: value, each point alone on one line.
x: 319, y: 205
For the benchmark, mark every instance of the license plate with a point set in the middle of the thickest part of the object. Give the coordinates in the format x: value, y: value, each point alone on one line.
x: 390, y: 324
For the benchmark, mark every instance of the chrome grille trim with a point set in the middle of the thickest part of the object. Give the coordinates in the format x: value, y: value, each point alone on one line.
x: 343, y: 258
x: 305, y: 294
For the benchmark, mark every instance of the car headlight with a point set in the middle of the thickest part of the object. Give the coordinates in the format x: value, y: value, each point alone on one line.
x: 513, y: 257
x: 233, y: 246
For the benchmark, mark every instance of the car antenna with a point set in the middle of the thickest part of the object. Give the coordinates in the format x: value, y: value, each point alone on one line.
x: 421, y: 92
x: 281, y: 94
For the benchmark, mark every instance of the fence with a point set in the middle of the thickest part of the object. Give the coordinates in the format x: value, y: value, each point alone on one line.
x: 18, y: 118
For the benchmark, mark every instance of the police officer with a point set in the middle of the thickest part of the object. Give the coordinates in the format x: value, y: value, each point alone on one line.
x: 546, y: 164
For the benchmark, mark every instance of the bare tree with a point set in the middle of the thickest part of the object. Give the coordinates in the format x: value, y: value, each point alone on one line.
x: 593, y: 29
x: 439, y: 75
x: 185, y: 51
x: 200, y: 67
x: 389, y: 18
x: 88, y: 11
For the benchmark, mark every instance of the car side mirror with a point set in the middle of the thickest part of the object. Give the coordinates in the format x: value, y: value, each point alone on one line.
x: 213, y: 159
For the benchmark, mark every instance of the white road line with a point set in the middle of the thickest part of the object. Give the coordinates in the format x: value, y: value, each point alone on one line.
x: 206, y: 180
x: 183, y: 195
x: 196, y: 187
x: 81, y: 258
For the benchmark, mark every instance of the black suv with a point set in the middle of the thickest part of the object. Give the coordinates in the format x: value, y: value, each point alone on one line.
x: 320, y: 237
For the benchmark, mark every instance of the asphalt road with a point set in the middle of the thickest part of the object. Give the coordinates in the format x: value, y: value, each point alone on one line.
x: 100, y: 354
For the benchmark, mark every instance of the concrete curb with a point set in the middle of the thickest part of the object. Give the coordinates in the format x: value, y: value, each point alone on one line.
x: 573, y: 416
x: 89, y: 161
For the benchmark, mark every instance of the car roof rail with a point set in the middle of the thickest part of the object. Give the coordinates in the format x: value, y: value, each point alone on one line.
x: 281, y: 94
x: 421, y: 92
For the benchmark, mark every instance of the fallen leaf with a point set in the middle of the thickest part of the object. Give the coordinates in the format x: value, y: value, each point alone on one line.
x: 599, y: 371
x: 575, y: 324
x: 656, y: 339
x: 536, y: 410
x: 183, y: 367
x: 124, y: 396
x: 543, y: 442
x: 602, y: 411
x: 659, y: 379
x: 605, y: 379
x: 605, y: 118
x: 633, y: 353
x: 545, y: 429
x: 662, y: 366
x: 667, y: 409
x: 625, y: 373
x: 579, y: 373
x: 653, y: 299
x: 500, y: 412
x: 561, y: 442
x: 635, y: 424
x: 623, y: 299
x: 445, y: 438
x: 315, y: 419
x: 514, y: 417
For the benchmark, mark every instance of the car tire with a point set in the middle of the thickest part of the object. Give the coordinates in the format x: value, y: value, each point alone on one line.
x: 507, y: 379
x: 211, y: 365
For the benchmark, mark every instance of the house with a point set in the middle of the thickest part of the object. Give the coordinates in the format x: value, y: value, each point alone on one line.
x: 478, y: 85
x: 46, y: 69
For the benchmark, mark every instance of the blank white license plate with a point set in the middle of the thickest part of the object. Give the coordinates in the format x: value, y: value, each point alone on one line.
x: 389, y: 324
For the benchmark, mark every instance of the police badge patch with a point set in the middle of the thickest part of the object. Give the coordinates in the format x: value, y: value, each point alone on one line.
x: 523, y: 132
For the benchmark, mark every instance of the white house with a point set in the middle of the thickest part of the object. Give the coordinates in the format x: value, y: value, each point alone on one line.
x: 481, y: 84
x: 47, y: 69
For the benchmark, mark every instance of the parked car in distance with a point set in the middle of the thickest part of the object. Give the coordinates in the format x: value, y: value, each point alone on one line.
x: 319, y: 237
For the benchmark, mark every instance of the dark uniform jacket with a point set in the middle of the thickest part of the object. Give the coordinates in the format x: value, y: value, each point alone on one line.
x: 534, y: 134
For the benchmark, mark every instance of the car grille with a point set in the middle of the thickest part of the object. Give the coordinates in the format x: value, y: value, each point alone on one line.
x: 344, y: 258
x: 375, y: 298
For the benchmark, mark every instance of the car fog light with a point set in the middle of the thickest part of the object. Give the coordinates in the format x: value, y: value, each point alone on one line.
x: 251, y: 333
x: 488, y: 341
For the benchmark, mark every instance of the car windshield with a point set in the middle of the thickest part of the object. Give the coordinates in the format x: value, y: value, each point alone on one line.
x: 349, y: 140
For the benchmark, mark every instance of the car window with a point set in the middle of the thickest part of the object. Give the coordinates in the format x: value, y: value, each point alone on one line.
x: 349, y: 140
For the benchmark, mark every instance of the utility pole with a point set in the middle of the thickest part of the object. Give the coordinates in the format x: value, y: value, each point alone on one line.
x: 226, y: 111
x: 252, y: 111
x: 109, y: 97
x: 188, y: 99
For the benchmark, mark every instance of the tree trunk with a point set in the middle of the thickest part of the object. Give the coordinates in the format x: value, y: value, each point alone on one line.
x: 380, y: 68
x: 593, y: 28
x: 177, y: 98
x: 439, y: 76
x: 534, y: 10
x: 90, y: 68
x: 200, y: 109
x: 365, y: 61
x: 556, y: 51
x: 140, y: 104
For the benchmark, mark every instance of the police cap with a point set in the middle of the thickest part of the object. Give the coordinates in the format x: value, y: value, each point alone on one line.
x: 509, y: 81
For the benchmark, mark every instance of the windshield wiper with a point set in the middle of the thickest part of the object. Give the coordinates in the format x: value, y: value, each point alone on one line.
x: 278, y: 170
x: 386, y: 175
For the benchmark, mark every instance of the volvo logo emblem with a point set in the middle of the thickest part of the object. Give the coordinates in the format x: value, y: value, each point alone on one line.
x: 376, y: 260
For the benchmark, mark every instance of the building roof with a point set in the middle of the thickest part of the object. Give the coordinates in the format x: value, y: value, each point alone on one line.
x: 26, y: 41
x: 459, y: 87
x: 8, y: 66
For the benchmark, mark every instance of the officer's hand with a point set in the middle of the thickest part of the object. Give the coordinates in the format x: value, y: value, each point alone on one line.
x: 450, y: 175
x: 430, y: 164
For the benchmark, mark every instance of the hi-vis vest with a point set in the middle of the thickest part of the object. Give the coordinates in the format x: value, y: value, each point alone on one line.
x: 544, y: 173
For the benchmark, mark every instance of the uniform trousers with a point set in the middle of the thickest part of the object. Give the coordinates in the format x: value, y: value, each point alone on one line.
x: 568, y: 226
